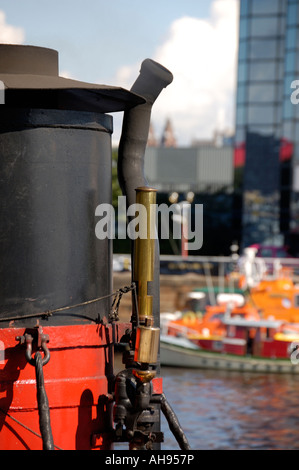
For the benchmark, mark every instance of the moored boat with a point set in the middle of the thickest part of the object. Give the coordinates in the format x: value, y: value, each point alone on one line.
x: 229, y: 337
x: 176, y: 354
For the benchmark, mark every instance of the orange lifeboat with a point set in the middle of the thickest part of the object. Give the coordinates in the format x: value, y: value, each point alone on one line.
x: 277, y: 298
x: 211, y: 325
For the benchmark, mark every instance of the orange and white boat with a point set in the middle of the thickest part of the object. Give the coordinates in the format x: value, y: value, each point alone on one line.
x: 209, y: 328
x: 230, y: 335
x: 275, y: 295
x: 277, y: 298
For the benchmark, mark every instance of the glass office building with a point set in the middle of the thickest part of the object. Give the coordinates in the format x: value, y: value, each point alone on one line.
x: 267, y: 123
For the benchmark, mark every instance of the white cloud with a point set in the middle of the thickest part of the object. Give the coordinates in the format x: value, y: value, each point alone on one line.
x: 10, y: 34
x: 201, y: 54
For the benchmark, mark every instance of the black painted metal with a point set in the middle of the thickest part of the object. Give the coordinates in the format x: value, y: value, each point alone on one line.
x: 55, y: 168
x: 30, y: 76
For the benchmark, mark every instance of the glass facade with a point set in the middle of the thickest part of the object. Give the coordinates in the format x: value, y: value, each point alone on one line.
x: 267, y: 123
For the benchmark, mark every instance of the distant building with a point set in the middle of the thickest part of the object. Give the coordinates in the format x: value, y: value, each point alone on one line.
x: 267, y: 124
x: 220, y: 139
x: 198, y: 169
x: 207, y: 173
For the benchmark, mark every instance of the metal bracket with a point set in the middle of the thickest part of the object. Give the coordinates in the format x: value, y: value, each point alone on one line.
x: 37, y: 337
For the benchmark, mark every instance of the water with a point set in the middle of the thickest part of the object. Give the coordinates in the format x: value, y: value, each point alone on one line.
x: 231, y: 410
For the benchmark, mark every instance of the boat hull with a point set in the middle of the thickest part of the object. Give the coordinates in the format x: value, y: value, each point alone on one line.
x: 77, y: 381
x: 174, y: 355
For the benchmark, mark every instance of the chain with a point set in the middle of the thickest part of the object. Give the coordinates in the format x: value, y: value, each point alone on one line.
x: 114, y: 315
x: 43, y: 405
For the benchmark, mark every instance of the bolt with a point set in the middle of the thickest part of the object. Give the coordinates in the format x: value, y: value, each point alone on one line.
x: 21, y: 339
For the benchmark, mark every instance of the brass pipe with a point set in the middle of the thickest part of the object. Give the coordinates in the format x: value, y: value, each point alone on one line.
x: 147, y: 335
x: 144, y: 252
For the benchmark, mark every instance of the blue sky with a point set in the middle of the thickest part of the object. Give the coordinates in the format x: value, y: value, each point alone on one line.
x: 95, y: 37
x: 105, y: 42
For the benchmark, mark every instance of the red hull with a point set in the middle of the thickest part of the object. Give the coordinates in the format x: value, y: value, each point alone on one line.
x: 76, y: 382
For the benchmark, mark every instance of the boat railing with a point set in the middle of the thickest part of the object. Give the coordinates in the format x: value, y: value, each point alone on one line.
x: 227, y: 270
x: 180, y: 330
x: 211, y: 266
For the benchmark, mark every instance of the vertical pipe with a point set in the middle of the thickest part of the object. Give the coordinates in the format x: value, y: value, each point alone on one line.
x: 152, y: 79
x: 144, y: 252
x: 147, y: 337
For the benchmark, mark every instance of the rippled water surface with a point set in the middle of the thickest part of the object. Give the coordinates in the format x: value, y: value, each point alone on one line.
x: 229, y: 410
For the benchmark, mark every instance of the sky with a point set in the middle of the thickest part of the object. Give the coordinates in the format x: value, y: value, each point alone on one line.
x: 106, y: 41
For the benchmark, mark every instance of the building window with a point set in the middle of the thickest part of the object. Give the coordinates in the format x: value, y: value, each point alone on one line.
x: 262, y: 92
x: 244, y: 7
x: 243, y: 28
x: 288, y: 109
x: 288, y: 130
x: 297, y: 131
x: 265, y: 26
x: 242, y: 50
x: 241, y: 93
x: 290, y: 61
x: 264, y: 114
x: 265, y: 7
x: 242, y: 72
x: 260, y: 71
x: 241, y: 114
x: 292, y: 14
x: 240, y: 136
x: 264, y: 49
x: 291, y: 38
x: 280, y: 69
x: 264, y: 130
x: 288, y: 80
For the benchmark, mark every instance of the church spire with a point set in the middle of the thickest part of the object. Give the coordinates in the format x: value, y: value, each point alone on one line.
x: 168, y: 138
